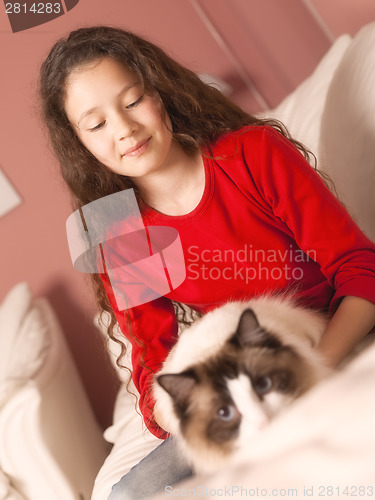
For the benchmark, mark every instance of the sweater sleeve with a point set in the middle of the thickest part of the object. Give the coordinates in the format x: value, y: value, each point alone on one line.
x: 152, y: 330
x: 317, y: 221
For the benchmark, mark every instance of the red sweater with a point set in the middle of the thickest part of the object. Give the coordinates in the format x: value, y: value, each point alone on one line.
x: 266, y: 222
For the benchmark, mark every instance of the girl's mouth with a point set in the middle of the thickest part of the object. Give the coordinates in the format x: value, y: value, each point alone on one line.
x: 138, y: 149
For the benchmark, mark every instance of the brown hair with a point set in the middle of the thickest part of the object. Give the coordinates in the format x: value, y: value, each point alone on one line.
x: 199, y: 113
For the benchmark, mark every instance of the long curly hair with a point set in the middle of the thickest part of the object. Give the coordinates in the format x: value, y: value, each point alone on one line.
x: 199, y: 113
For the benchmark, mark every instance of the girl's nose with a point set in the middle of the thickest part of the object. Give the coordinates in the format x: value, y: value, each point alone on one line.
x: 124, y: 126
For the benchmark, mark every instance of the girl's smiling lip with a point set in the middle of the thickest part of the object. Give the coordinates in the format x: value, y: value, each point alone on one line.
x: 138, y: 149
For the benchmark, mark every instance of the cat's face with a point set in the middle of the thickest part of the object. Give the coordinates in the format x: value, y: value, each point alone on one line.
x: 235, y: 393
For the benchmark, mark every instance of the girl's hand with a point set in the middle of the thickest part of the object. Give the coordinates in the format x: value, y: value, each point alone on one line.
x: 354, y: 318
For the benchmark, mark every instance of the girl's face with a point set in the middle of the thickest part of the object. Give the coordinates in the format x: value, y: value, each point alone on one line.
x: 116, y: 121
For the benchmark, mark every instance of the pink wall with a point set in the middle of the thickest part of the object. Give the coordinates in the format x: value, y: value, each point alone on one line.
x: 344, y: 16
x: 270, y: 44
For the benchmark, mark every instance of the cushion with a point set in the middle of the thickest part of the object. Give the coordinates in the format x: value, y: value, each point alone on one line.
x: 12, y: 311
x: 301, y: 111
x: 347, y: 144
x: 7, y: 491
x: 51, y: 445
x: 23, y: 340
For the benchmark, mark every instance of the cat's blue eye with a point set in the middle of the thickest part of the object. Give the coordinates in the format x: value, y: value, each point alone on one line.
x: 262, y: 385
x: 226, y: 413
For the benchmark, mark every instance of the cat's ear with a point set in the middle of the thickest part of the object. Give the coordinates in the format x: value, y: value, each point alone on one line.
x: 178, y: 385
x: 250, y: 333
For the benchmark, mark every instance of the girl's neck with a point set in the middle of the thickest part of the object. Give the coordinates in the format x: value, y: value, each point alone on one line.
x: 178, y: 188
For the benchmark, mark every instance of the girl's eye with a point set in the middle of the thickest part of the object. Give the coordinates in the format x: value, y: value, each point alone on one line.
x: 135, y: 103
x: 262, y: 385
x: 226, y: 413
x: 97, y: 127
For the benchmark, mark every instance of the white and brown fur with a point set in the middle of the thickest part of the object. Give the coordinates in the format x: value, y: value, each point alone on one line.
x: 234, y: 370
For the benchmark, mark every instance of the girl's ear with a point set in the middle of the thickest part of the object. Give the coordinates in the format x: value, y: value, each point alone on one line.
x: 249, y: 333
x: 178, y: 385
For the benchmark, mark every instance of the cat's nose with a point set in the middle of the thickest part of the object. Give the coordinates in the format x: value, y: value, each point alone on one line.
x: 252, y: 425
x: 257, y: 421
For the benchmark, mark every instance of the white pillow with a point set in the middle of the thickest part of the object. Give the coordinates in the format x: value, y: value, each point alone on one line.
x: 301, y: 111
x: 7, y: 491
x: 12, y: 312
x: 347, y: 146
x: 24, y: 340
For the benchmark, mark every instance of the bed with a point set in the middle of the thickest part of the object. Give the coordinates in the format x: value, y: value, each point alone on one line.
x: 322, y: 446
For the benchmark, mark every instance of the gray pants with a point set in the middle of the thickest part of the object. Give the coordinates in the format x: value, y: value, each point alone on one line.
x: 163, y: 467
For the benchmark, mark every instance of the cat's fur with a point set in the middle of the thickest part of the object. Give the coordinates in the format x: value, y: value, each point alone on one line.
x: 232, y: 371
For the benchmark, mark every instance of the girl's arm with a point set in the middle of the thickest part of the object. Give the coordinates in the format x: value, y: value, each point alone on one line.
x: 318, y: 221
x: 354, y: 318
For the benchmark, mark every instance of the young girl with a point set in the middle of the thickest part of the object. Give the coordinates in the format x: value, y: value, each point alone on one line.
x: 252, y: 215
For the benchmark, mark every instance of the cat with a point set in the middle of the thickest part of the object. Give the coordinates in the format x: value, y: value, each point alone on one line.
x: 232, y: 371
